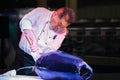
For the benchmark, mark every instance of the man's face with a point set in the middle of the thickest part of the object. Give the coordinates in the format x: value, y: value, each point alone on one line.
x: 58, y: 23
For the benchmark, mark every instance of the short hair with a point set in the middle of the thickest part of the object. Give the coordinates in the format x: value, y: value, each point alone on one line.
x: 67, y: 11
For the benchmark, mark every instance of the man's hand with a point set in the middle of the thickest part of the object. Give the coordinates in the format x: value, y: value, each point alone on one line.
x: 34, y: 47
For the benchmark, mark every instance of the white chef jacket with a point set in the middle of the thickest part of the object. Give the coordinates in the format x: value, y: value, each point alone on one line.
x: 39, y: 21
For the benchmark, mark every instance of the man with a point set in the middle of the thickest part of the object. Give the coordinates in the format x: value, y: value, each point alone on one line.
x: 43, y: 31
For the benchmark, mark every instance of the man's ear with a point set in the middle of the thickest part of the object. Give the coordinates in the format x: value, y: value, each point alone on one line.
x: 55, y: 13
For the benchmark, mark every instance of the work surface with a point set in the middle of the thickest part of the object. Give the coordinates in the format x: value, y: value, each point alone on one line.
x: 11, y: 75
x: 19, y: 77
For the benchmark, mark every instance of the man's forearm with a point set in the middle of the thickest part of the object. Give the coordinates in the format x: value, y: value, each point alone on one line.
x: 29, y: 34
x: 36, y: 51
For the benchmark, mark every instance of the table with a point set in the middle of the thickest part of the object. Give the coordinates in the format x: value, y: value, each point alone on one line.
x: 11, y: 75
x: 19, y: 77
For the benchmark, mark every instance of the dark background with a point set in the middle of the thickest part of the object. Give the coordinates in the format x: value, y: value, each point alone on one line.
x: 97, y: 46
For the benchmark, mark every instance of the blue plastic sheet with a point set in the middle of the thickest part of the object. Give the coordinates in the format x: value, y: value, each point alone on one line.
x: 61, y: 65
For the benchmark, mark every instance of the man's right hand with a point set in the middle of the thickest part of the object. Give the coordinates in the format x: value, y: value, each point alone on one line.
x: 34, y: 47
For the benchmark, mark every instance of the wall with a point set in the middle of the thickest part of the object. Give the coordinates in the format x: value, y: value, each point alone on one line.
x: 100, y: 11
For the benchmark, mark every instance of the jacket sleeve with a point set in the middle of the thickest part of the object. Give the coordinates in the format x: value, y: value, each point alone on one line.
x: 31, y: 18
